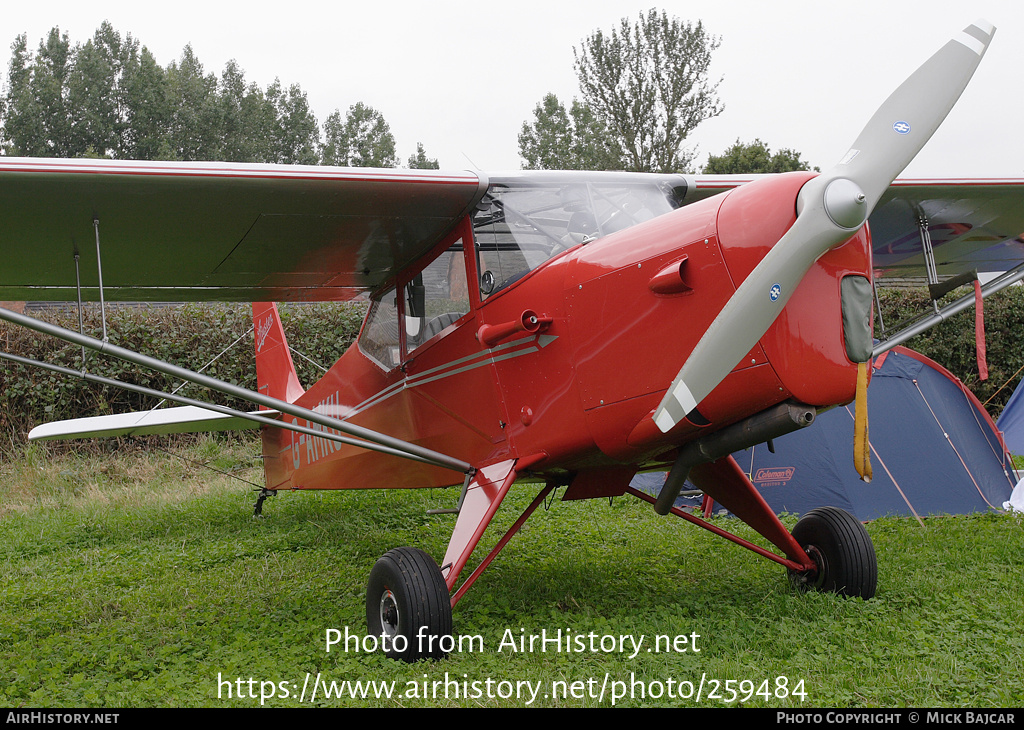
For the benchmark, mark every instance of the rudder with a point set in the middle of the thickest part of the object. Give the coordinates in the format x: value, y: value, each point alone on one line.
x: 275, y: 370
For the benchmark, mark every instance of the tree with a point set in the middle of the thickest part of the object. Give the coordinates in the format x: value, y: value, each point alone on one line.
x: 647, y: 82
x: 22, y: 132
x: 246, y: 117
x: 420, y: 161
x: 334, y: 150
x: 99, y: 94
x: 110, y: 98
x: 37, y: 119
x: 752, y: 158
x: 364, y: 139
x: 194, y: 131
x: 370, y: 142
x: 106, y: 98
x: 148, y: 111
x: 295, y: 132
x: 560, y: 140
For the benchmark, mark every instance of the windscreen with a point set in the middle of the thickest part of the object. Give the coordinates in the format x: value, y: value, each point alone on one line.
x: 520, y: 225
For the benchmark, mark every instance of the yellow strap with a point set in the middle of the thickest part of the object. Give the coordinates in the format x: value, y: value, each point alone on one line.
x: 861, y: 445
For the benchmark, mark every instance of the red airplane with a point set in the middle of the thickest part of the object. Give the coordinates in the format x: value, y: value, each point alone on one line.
x: 572, y: 328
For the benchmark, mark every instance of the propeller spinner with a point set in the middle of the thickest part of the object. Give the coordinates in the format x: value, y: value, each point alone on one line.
x: 830, y: 209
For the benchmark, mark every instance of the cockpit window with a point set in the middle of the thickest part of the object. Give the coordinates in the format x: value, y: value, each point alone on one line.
x: 436, y: 298
x: 380, y: 337
x: 520, y: 225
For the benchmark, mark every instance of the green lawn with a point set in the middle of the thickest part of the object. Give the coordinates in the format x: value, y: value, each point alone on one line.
x: 137, y: 579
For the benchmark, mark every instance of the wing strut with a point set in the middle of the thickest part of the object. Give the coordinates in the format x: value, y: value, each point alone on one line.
x: 929, y: 256
x: 397, y: 446
x: 78, y: 289
x: 99, y: 271
x: 223, y: 410
x: 998, y: 284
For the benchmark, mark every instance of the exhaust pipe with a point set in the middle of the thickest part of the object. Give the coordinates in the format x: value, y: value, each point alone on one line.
x: 764, y: 426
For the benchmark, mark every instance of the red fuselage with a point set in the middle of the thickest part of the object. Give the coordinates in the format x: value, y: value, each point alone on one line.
x: 618, y: 316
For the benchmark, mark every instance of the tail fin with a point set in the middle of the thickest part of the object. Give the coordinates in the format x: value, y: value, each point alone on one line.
x: 275, y: 370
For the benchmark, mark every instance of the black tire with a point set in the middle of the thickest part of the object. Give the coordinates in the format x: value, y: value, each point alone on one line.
x: 842, y: 549
x: 408, y: 607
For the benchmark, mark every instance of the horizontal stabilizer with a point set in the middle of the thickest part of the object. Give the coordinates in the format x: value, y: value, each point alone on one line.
x: 184, y: 419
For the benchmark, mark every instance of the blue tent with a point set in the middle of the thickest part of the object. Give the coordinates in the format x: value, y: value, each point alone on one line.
x: 934, y: 450
x: 1011, y: 421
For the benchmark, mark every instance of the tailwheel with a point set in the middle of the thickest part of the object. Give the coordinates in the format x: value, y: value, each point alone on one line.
x: 842, y: 551
x: 408, y: 607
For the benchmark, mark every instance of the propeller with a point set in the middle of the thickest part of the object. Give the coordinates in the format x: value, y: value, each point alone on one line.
x: 830, y: 209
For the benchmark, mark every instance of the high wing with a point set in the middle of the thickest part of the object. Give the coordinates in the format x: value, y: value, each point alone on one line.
x: 973, y: 224
x: 172, y: 231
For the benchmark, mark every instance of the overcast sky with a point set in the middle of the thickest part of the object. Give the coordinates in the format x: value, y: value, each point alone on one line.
x: 462, y: 77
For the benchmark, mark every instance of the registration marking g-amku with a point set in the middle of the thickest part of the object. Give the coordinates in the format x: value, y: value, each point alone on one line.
x: 506, y: 351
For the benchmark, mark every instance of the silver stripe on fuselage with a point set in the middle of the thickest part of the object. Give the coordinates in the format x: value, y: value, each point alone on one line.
x: 506, y: 351
x: 315, y: 450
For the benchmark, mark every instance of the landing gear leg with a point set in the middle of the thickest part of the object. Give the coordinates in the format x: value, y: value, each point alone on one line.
x: 842, y: 551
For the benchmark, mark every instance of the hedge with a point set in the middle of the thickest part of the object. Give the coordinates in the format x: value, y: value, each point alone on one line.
x: 191, y: 336
x: 194, y: 335
x: 952, y: 343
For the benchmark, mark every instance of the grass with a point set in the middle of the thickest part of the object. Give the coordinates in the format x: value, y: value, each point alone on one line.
x: 137, y: 579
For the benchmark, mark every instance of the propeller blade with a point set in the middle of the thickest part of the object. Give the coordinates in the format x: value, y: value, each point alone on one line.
x: 830, y: 209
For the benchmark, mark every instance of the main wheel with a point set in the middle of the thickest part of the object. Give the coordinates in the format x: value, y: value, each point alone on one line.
x: 842, y: 551
x: 408, y: 607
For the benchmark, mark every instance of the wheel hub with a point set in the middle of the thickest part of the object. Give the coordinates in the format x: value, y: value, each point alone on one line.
x: 817, y: 577
x: 814, y: 577
x: 389, y: 613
